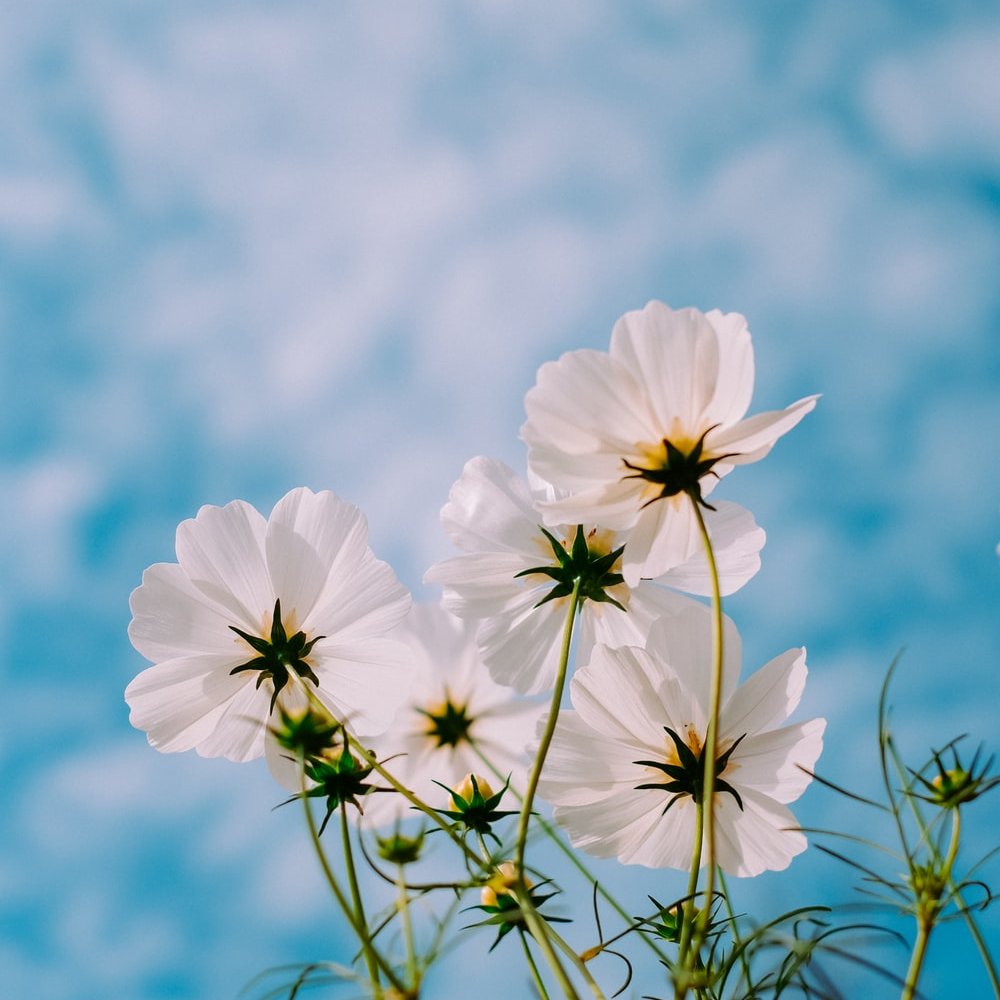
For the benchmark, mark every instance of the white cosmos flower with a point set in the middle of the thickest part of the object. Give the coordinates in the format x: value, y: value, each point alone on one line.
x: 248, y: 604
x: 495, y: 517
x: 605, y: 774
x: 455, y: 720
x: 634, y: 434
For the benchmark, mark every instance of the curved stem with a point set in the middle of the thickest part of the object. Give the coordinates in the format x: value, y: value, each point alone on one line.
x: 540, y: 932
x: 553, y: 834
x: 359, y: 929
x: 403, y: 908
x: 928, y: 910
x: 359, y: 909
x: 692, y: 889
x: 542, y: 992
x: 712, y: 732
x: 578, y: 962
x: 550, y: 728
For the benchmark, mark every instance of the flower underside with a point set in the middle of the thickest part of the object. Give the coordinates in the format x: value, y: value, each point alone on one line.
x: 592, y: 569
x: 679, y: 472
x: 278, y: 655
x: 687, y: 776
x: 449, y: 725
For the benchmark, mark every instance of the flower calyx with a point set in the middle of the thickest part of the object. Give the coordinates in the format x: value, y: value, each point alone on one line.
x: 593, y: 570
x: 306, y: 733
x: 687, y: 776
x: 278, y: 655
x: 476, y: 804
x: 340, y: 779
x: 954, y: 786
x: 498, y: 899
x: 400, y: 849
x: 679, y: 471
x: 448, y: 724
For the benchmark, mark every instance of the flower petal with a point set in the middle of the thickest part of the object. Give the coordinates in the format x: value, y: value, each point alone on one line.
x: 767, y: 697
x: 763, y: 836
x: 778, y: 763
x: 222, y: 552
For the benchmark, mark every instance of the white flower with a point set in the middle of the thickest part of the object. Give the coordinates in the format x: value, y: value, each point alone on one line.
x: 636, y: 434
x: 456, y: 720
x: 620, y: 771
x: 493, y: 515
x: 249, y: 604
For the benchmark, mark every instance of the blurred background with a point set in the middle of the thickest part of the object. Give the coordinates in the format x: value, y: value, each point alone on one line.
x: 246, y: 246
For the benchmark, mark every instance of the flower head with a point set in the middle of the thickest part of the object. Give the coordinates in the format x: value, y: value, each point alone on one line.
x: 252, y: 610
x: 454, y: 720
x: 638, y: 435
x: 516, y: 574
x: 625, y: 768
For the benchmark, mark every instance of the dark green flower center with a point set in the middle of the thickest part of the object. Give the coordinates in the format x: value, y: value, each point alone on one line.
x: 593, y: 569
x: 278, y: 655
x: 687, y: 775
x: 449, y: 725
x: 680, y: 471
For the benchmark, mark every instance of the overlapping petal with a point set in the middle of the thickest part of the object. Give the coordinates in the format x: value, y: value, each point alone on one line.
x: 497, y: 518
x: 615, y: 738
x: 208, y: 688
x: 597, y: 423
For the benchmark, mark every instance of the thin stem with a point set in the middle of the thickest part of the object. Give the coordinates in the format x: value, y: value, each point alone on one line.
x: 359, y: 909
x: 578, y: 962
x: 540, y: 932
x: 550, y: 728
x: 928, y: 910
x: 688, y: 906
x: 712, y: 733
x: 734, y: 931
x: 542, y: 992
x: 553, y: 834
x: 369, y: 759
x: 403, y: 908
x: 360, y: 930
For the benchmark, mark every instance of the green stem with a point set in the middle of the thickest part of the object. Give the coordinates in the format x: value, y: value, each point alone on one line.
x: 928, y: 910
x: 369, y: 759
x: 550, y: 728
x: 578, y: 962
x: 734, y: 930
x: 403, y: 908
x: 359, y: 929
x: 359, y: 909
x: 540, y: 932
x: 687, y: 922
x: 712, y: 732
x: 542, y: 992
x: 553, y: 834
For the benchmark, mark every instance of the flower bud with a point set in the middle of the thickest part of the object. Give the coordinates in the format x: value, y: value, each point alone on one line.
x: 502, y: 881
x: 465, y: 789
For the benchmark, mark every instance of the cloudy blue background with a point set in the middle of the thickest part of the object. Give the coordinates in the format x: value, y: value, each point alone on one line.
x: 246, y: 246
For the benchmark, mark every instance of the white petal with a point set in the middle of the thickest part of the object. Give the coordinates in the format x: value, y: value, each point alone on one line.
x: 684, y: 641
x: 239, y: 733
x: 481, y: 584
x: 626, y: 695
x: 584, y: 413
x: 764, y: 836
x: 778, y: 763
x: 312, y: 537
x: 173, y: 618
x: 675, y: 357
x: 751, y: 439
x: 734, y: 385
x: 767, y: 697
x: 491, y: 508
x: 520, y: 645
x: 179, y: 702
x: 666, y: 535
x: 669, y: 840
x: 363, y: 682
x: 736, y: 541
x: 615, y: 504
x: 222, y: 552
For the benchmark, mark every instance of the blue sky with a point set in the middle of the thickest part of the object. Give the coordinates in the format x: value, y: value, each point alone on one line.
x: 247, y: 246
